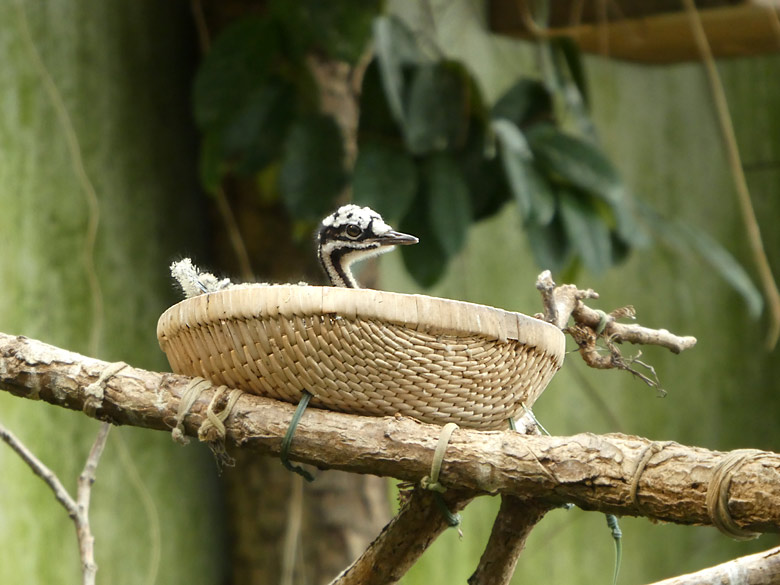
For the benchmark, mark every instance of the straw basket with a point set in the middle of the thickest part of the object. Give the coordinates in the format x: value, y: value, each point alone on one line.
x: 366, y: 352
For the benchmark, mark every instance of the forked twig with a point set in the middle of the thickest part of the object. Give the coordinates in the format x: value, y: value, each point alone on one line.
x: 596, y: 331
x: 78, y: 508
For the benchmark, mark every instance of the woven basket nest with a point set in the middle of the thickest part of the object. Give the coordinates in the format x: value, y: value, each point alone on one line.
x: 366, y: 352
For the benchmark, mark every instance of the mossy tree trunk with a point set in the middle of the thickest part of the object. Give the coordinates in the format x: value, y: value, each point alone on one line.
x: 96, y: 165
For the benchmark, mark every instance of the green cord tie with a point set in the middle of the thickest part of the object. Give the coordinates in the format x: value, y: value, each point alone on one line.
x: 432, y: 483
x: 617, y: 536
x: 288, y: 437
x: 603, y: 320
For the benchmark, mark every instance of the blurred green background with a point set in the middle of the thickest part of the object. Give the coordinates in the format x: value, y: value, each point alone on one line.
x: 123, y: 72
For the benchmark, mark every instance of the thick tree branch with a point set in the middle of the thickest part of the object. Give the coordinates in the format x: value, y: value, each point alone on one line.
x: 616, y: 474
x: 514, y: 522
x: 403, y: 540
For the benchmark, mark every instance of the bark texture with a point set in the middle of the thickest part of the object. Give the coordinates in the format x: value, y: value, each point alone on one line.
x: 516, y: 518
x: 614, y: 473
x: 759, y: 569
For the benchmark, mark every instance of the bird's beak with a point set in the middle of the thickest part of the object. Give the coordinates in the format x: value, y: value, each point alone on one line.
x: 394, y: 238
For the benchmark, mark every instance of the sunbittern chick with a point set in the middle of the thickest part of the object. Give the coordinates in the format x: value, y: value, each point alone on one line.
x: 354, y: 233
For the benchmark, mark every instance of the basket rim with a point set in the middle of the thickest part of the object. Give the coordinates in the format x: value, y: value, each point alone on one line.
x: 432, y: 315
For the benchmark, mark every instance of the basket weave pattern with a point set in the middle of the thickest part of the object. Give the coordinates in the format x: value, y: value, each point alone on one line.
x: 277, y: 345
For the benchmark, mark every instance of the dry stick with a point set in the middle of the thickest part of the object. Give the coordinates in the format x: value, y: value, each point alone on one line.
x: 740, y: 182
x: 77, y: 509
x: 83, y: 494
x: 514, y: 522
x: 565, y: 301
x: 758, y: 569
x: 594, y: 472
x: 403, y: 540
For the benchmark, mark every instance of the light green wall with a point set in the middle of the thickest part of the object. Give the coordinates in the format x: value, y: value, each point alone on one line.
x: 122, y: 73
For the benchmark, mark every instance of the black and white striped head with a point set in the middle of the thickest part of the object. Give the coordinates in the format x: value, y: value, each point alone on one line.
x: 353, y: 233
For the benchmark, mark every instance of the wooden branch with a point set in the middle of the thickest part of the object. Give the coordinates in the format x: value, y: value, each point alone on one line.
x: 514, y: 522
x: 83, y: 496
x: 562, y: 302
x: 403, y: 540
x: 78, y: 508
x: 759, y: 569
x: 618, y: 474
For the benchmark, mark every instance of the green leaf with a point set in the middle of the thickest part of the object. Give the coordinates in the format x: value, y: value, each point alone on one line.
x: 340, y: 29
x: 449, y: 207
x: 550, y: 245
x: 628, y: 229
x: 620, y: 248
x: 312, y: 173
x: 376, y: 119
x: 586, y: 231
x: 437, y: 107
x: 426, y: 261
x: 525, y: 103
x: 570, y: 53
x: 575, y: 162
x: 255, y: 134
x: 396, y: 48
x: 681, y: 236
x: 239, y: 62
x: 210, y: 161
x: 384, y: 178
x: 533, y: 194
x: 482, y: 171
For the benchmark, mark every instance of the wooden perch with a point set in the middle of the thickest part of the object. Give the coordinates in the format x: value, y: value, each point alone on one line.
x: 618, y: 474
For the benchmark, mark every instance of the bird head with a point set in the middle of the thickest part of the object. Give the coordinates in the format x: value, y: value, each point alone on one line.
x: 354, y: 233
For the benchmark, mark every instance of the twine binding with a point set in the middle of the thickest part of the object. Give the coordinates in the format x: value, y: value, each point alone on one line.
x: 718, y: 493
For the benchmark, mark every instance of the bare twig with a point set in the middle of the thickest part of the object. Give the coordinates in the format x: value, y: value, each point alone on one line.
x: 40, y: 469
x: 83, y: 493
x: 560, y: 301
x: 565, y: 301
x: 759, y: 569
x: 77, y: 509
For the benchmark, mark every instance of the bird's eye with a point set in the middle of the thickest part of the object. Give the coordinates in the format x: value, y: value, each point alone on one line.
x: 353, y: 231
